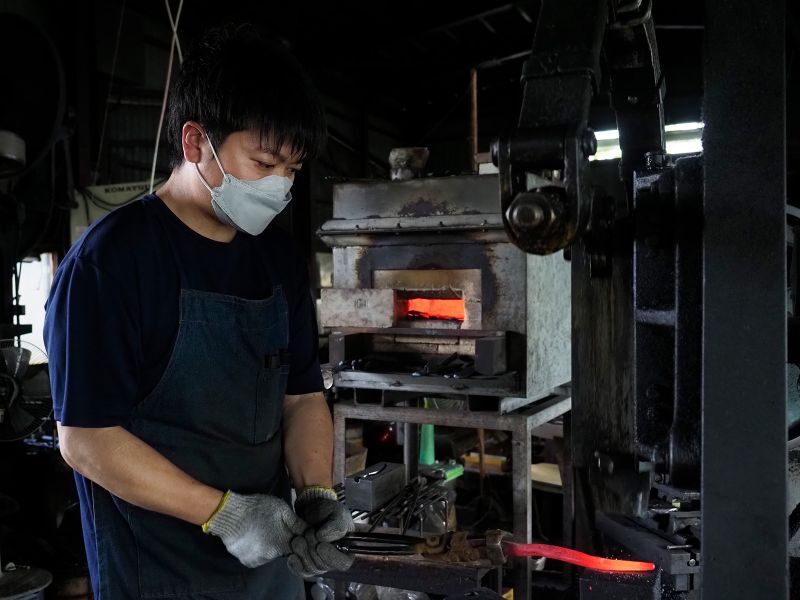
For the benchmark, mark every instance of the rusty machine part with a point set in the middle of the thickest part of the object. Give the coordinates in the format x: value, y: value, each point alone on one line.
x: 545, y: 193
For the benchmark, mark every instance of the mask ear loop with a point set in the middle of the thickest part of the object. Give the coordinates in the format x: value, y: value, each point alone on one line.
x: 219, y: 164
x: 216, y: 158
x: 203, y: 179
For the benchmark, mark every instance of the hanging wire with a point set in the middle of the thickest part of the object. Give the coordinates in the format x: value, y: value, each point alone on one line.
x: 174, y: 25
x: 96, y: 173
x: 174, y: 43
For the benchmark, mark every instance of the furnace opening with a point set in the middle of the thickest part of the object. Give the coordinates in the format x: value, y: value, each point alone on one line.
x: 440, y: 306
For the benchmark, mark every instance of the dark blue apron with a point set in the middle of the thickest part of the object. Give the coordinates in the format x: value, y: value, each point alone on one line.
x: 216, y: 413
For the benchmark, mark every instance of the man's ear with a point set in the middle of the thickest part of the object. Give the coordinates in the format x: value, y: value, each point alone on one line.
x: 193, y: 141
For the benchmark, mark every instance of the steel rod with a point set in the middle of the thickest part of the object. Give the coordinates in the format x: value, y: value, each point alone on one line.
x: 473, y: 118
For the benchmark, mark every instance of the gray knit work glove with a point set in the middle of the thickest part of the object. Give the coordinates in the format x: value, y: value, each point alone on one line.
x: 255, y: 528
x: 318, y: 507
x: 330, y: 520
x: 310, y: 557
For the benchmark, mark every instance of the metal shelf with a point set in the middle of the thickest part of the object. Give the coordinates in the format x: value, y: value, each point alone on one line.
x: 498, y: 386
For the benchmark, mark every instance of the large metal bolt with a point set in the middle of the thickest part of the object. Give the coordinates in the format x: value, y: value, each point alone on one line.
x: 588, y: 143
x: 533, y: 210
x: 527, y: 214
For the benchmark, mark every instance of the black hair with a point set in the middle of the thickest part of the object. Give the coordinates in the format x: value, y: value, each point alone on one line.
x: 238, y: 78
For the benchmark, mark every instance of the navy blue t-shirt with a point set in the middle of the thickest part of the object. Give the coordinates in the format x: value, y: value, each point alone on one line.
x: 112, y: 314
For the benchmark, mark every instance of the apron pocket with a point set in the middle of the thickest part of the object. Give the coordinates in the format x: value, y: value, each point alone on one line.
x: 269, y: 403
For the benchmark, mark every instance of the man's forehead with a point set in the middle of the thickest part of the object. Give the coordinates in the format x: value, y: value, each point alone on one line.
x: 268, y: 145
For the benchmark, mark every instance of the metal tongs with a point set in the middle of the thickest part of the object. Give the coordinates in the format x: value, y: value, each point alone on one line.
x: 381, y: 544
x: 494, y: 546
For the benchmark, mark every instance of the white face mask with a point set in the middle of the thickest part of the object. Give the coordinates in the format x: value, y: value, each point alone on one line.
x: 249, y: 206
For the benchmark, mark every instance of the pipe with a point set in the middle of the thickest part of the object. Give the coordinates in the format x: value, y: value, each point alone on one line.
x: 473, y: 118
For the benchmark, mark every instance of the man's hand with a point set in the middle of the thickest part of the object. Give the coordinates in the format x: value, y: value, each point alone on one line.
x: 318, y: 507
x: 307, y: 417
x: 310, y: 557
x: 330, y: 520
x: 255, y: 528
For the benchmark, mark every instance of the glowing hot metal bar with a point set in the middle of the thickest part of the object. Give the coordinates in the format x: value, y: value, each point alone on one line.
x: 576, y: 558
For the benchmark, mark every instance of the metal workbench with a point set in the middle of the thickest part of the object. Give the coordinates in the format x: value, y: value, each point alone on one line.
x: 521, y: 425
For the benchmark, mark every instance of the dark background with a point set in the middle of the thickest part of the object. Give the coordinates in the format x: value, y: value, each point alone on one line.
x: 390, y: 74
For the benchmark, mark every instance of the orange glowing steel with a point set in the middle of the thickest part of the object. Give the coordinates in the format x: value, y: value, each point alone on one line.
x: 597, y: 563
x: 434, y: 308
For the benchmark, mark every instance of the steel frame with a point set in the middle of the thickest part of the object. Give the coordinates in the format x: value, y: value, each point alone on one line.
x: 744, y: 536
x: 727, y: 360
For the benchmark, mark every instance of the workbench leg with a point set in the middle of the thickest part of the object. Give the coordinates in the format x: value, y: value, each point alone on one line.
x: 521, y: 482
x: 411, y: 451
x: 339, y: 442
x: 567, y: 484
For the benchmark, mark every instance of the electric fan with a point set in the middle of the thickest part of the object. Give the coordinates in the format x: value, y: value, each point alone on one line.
x: 25, y: 403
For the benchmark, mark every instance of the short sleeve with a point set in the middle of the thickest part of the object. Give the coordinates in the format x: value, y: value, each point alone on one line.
x: 93, y: 346
x: 304, y: 374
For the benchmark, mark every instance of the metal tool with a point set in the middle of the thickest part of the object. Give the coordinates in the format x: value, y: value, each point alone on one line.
x: 494, y: 546
x: 381, y: 544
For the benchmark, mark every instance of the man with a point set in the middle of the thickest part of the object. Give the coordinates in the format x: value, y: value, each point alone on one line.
x: 182, y: 346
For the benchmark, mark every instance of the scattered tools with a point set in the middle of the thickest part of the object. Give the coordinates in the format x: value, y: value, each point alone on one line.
x: 406, y: 508
x: 455, y: 365
x: 494, y: 547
